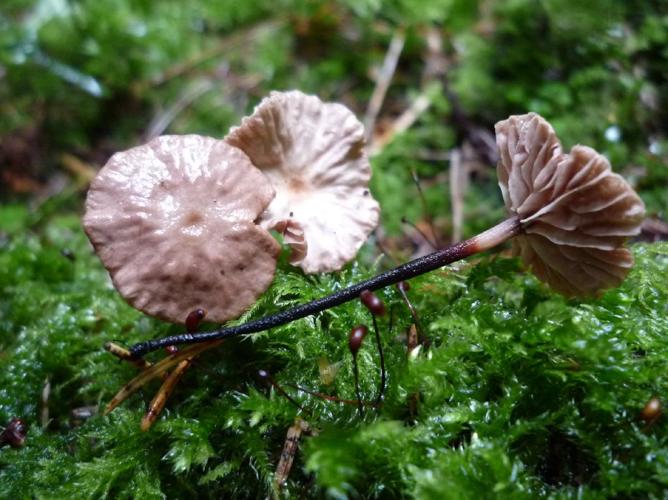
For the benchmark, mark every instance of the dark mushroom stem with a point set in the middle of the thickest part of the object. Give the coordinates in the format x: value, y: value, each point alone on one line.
x: 484, y: 241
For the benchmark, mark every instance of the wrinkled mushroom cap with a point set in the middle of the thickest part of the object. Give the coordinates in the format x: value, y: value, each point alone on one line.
x: 173, y: 222
x: 313, y: 154
x: 575, y: 212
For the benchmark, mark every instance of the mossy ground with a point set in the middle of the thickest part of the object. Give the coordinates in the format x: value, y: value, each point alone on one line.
x: 521, y: 393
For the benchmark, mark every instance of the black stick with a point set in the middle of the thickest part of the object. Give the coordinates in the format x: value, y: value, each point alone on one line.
x: 488, y: 239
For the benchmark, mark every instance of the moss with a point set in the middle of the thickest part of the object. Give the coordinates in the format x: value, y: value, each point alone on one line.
x: 522, y: 392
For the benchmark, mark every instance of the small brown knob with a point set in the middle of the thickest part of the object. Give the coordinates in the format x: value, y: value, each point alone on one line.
x: 372, y: 303
x: 356, y: 338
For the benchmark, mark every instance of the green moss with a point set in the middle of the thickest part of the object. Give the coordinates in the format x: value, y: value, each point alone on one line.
x: 522, y: 392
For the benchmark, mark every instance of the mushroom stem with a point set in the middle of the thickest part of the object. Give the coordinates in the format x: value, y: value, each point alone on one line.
x: 484, y: 241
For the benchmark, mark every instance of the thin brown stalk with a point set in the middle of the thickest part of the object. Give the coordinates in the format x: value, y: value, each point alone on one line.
x: 163, y: 394
x: 157, y: 370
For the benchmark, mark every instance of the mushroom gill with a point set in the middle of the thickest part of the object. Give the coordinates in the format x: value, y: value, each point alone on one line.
x: 576, y: 214
x: 313, y: 155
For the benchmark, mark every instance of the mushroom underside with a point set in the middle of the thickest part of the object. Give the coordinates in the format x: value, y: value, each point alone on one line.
x: 576, y: 214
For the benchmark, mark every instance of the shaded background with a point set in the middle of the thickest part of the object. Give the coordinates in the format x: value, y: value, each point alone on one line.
x: 82, y: 79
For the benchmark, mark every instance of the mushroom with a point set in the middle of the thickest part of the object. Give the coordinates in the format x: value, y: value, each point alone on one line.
x: 569, y: 215
x: 173, y: 223
x: 575, y: 213
x: 313, y: 155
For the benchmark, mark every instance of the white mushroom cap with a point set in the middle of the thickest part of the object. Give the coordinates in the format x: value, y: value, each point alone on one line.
x: 173, y: 222
x: 313, y: 154
x: 575, y: 212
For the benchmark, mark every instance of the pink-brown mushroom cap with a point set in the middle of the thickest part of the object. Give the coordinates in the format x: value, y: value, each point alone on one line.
x: 575, y: 212
x: 313, y: 154
x: 173, y: 222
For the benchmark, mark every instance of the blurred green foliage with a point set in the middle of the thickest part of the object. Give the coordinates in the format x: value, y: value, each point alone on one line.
x: 522, y: 393
x: 93, y: 77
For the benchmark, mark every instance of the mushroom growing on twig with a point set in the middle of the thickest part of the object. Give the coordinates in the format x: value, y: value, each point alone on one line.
x: 571, y: 213
x: 174, y: 224
x: 313, y: 155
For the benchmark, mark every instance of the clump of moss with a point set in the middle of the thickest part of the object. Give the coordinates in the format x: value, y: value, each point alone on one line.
x: 521, y: 392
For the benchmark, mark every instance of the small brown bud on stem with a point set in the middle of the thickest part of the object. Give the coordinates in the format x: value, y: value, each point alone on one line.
x: 651, y: 411
x: 377, y: 308
x: 193, y: 319
x: 14, y: 434
x: 371, y: 301
x: 356, y: 338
